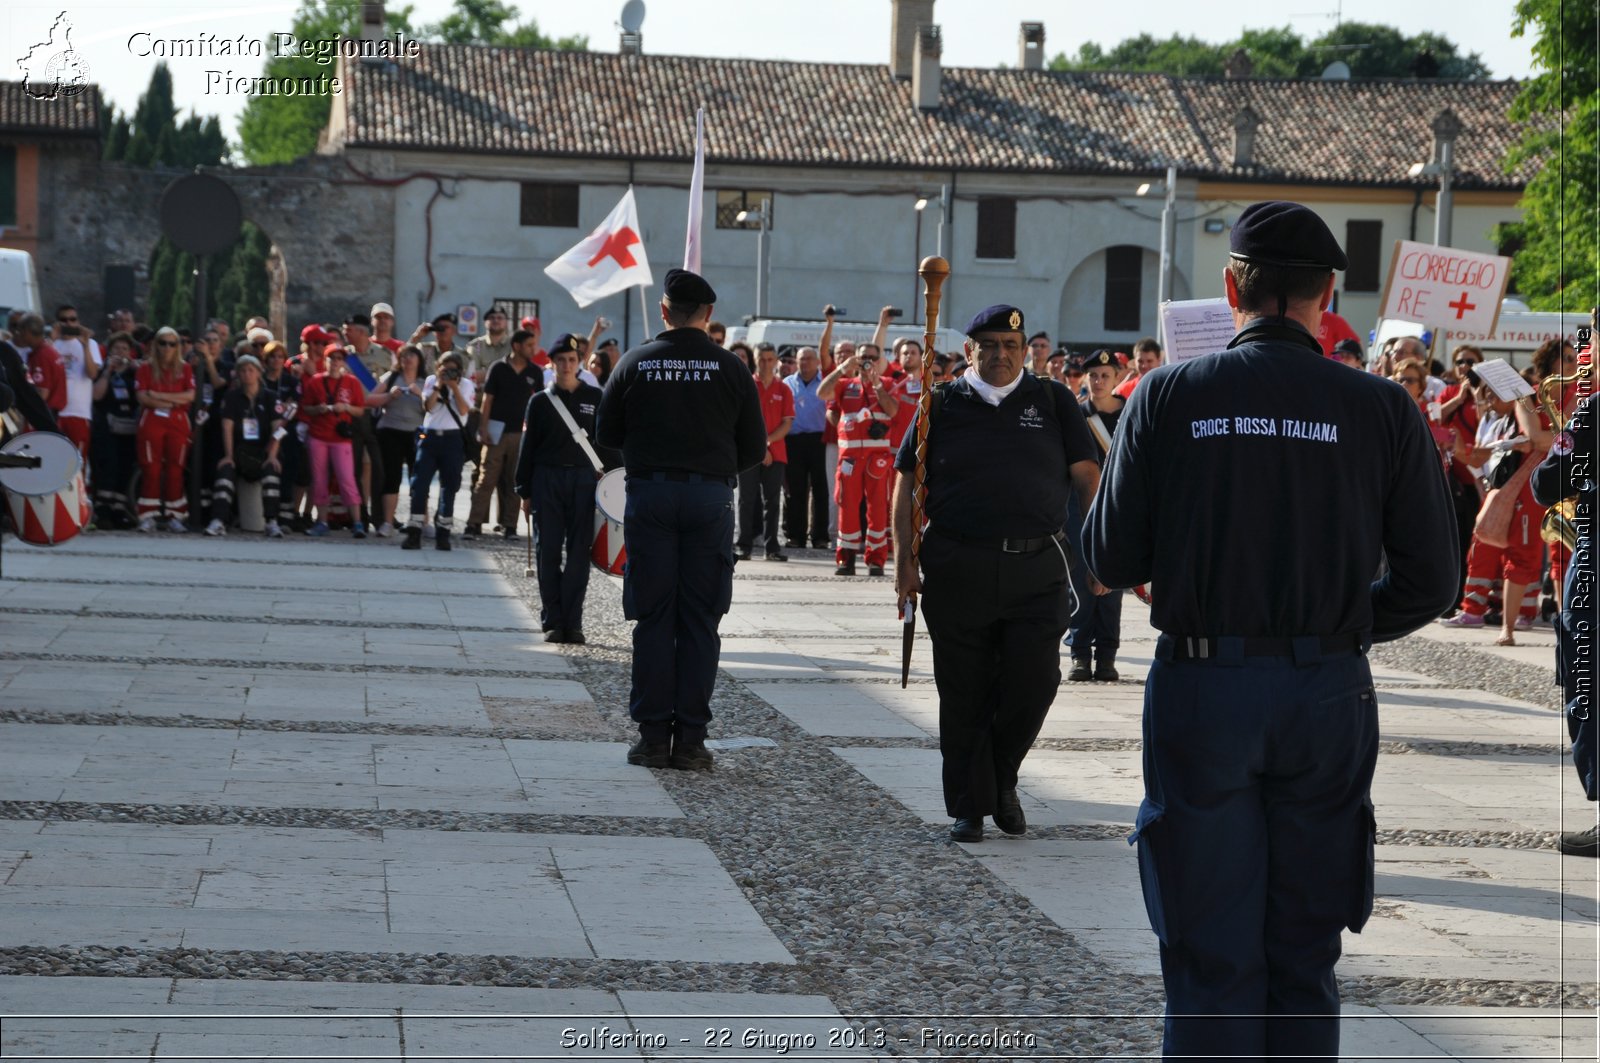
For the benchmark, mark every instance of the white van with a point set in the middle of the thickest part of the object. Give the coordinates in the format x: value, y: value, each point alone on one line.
x: 19, y: 285
x: 791, y: 335
x: 1517, y: 334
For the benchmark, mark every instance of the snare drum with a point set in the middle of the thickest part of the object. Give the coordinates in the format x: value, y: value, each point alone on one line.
x: 610, y: 499
x: 48, y: 505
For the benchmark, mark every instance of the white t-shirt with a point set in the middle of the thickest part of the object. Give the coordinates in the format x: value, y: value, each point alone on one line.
x: 80, y: 388
x: 438, y: 419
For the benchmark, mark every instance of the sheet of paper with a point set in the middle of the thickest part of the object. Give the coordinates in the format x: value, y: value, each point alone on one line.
x: 1504, y: 381
x: 1191, y: 328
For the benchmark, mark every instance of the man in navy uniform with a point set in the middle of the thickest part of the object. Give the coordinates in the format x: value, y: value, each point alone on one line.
x: 556, y: 480
x: 1258, y: 488
x: 1005, y: 448
x: 685, y: 415
x: 1568, y: 471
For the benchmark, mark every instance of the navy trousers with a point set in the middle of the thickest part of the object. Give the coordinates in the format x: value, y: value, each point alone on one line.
x: 1256, y: 845
x: 563, y: 506
x: 995, y: 620
x: 442, y: 453
x: 677, y: 585
x: 1575, y: 647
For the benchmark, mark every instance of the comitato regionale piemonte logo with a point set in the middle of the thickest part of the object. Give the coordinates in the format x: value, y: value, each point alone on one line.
x: 51, y: 69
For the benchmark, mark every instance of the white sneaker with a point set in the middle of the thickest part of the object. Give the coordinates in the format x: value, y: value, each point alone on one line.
x: 177, y: 526
x: 147, y: 525
x: 216, y: 528
x: 385, y: 530
x: 273, y: 531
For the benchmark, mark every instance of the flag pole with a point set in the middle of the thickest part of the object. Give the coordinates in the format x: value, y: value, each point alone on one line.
x: 644, y: 317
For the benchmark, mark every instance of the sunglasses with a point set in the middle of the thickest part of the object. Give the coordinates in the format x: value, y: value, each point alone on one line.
x: 1466, y: 361
x: 66, y: 321
x: 166, y: 343
x: 1410, y: 380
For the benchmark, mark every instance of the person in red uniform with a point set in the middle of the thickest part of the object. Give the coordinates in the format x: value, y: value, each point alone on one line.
x: 1333, y: 329
x: 334, y: 399
x: 862, y: 405
x: 1146, y: 356
x: 908, y: 389
x: 45, y: 371
x: 164, y: 387
x: 761, y: 486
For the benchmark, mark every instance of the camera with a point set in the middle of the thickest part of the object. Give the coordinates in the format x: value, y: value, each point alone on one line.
x: 1472, y: 377
x: 832, y: 311
x: 894, y: 312
x: 877, y: 430
x: 450, y: 372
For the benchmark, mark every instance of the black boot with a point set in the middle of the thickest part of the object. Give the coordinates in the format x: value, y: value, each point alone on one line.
x: 847, y: 567
x: 441, y: 538
x: 413, y: 540
x: 1080, y: 671
x: 1105, y: 668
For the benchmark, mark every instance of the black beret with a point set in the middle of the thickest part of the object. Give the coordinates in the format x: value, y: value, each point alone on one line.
x: 359, y: 319
x: 1076, y: 364
x: 564, y: 342
x: 447, y: 316
x: 998, y: 318
x: 1349, y: 347
x: 681, y: 286
x: 1101, y: 359
x: 1278, y: 233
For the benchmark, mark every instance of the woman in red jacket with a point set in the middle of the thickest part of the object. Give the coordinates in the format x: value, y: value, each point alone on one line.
x: 164, y: 387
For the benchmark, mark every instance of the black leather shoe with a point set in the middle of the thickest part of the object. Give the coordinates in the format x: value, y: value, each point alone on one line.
x: 691, y: 756
x: 1080, y: 671
x: 575, y: 636
x: 556, y: 634
x: 741, y: 555
x: 649, y: 754
x: 1105, y: 671
x: 1580, y: 842
x: 874, y: 570
x: 967, y: 830
x: 1008, y: 813
x: 820, y: 544
x: 777, y: 557
x: 472, y: 531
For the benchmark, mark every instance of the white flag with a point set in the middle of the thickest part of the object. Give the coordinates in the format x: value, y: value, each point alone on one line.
x: 697, y: 195
x: 608, y: 260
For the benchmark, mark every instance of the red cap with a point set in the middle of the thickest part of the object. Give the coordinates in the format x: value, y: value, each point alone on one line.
x: 317, y: 334
x: 529, y: 323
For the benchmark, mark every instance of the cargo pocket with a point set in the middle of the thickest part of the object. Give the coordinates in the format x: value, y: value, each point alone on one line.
x: 1365, y: 860
x: 724, y: 600
x: 628, y: 611
x: 1151, y: 834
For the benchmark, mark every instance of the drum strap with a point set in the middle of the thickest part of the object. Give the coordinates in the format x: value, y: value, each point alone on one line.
x: 572, y: 426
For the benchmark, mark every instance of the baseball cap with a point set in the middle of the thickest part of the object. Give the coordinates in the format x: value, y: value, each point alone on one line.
x: 380, y: 308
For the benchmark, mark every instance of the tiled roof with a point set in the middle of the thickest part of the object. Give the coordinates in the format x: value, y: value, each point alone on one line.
x: 75, y: 115
x: 467, y: 98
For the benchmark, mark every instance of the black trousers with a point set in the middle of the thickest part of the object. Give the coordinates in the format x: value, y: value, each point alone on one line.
x: 806, y: 489
x: 678, y: 584
x: 996, y: 622
x: 563, y: 506
x: 759, y: 489
x: 222, y: 493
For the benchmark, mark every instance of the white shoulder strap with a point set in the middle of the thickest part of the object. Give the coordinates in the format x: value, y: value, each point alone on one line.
x: 1101, y: 436
x: 572, y: 426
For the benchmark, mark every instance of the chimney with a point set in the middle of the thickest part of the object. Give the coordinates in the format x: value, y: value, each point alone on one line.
x: 906, y: 18
x: 1447, y: 128
x: 925, y: 74
x: 373, y: 20
x: 1030, y: 46
x: 631, y: 44
x: 1239, y: 65
x: 1245, y: 124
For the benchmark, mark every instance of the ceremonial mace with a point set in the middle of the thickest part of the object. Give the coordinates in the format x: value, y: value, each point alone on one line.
x: 933, y: 271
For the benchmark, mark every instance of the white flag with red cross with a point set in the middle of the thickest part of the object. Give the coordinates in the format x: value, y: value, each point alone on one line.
x: 608, y: 260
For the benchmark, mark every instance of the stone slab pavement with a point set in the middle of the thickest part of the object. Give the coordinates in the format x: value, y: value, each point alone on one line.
x: 327, y: 800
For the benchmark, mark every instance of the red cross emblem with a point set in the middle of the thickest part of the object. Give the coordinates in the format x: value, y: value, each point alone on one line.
x: 616, y: 246
x: 1460, y: 307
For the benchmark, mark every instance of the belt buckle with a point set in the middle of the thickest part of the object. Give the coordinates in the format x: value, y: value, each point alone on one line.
x: 1006, y: 546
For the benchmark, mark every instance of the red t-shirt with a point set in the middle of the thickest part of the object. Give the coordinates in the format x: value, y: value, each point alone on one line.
x: 777, y: 402
x: 1124, y: 389
x: 1333, y: 329
x: 391, y: 343
x: 144, y: 379
x: 347, y: 390
x: 46, y: 373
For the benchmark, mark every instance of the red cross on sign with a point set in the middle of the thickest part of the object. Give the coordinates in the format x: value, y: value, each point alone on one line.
x: 616, y: 246
x: 1462, y: 306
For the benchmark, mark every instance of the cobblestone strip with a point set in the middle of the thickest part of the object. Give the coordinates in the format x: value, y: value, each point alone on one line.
x: 269, y: 665
x: 250, y: 723
x: 242, y: 618
x: 122, y: 584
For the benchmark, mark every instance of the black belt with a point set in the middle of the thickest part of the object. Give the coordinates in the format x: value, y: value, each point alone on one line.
x: 1005, y: 546
x: 681, y: 476
x: 1200, y: 648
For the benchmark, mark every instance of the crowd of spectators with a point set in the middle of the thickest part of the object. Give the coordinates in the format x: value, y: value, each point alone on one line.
x: 329, y: 424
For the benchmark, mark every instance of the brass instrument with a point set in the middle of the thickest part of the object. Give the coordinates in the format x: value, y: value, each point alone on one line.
x: 1557, y: 526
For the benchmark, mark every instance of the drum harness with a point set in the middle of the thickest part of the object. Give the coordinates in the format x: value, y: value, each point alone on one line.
x: 572, y: 426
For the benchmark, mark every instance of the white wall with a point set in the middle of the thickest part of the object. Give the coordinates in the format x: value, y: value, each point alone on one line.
x: 839, y: 236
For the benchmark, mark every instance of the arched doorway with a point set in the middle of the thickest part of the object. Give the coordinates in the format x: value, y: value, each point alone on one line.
x: 1109, y: 299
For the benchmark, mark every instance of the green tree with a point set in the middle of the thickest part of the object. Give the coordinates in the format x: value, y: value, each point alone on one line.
x: 1370, y: 51
x: 1558, y: 266
x: 493, y: 22
x: 243, y: 289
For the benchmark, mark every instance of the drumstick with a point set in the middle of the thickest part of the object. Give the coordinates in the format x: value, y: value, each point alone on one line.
x: 528, y: 572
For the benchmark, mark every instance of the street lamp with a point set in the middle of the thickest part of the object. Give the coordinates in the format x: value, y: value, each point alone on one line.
x: 921, y: 205
x: 1446, y: 128
x: 1169, y: 231
x: 762, y: 216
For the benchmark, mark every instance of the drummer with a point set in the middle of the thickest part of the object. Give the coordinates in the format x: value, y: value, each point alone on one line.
x: 556, y: 480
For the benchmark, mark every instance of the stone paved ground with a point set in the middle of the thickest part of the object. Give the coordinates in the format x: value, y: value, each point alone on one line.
x: 322, y: 799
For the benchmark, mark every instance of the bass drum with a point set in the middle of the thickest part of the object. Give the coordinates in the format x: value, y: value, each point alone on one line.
x: 610, y: 500
x: 48, y: 504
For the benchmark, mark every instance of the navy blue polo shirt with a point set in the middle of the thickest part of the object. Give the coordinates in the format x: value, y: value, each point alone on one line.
x: 1001, y: 472
x: 1257, y: 489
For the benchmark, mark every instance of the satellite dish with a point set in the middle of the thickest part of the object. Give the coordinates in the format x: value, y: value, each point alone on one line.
x: 633, y: 15
x: 1338, y: 70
